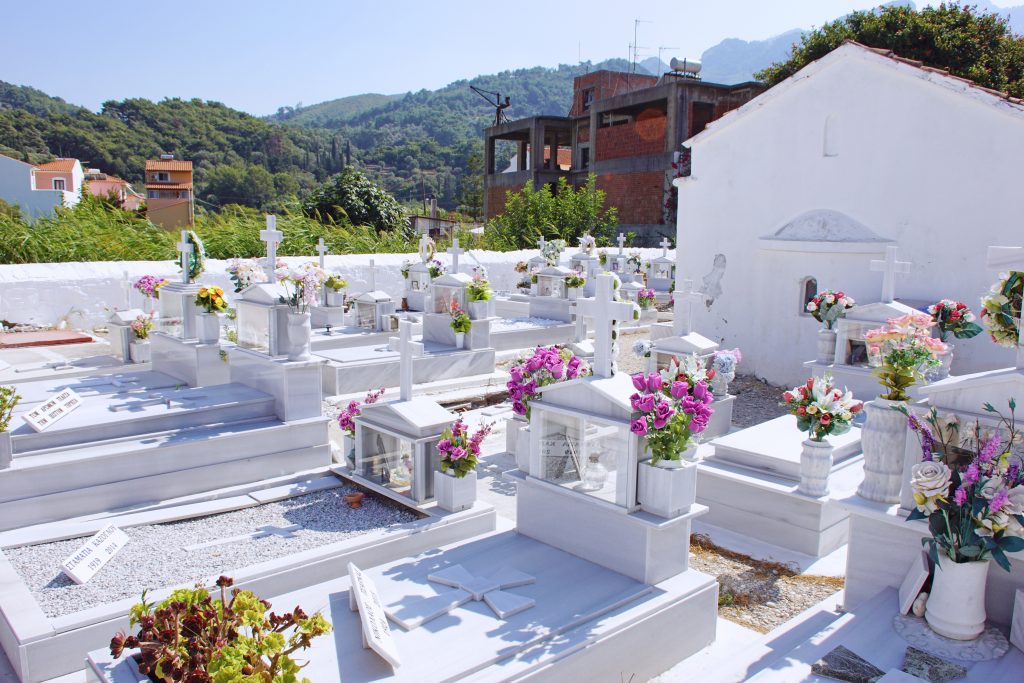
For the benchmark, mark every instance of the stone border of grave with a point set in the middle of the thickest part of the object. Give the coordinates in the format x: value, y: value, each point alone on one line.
x: 41, y: 648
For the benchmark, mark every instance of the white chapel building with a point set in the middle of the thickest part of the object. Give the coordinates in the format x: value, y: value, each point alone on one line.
x: 802, y: 187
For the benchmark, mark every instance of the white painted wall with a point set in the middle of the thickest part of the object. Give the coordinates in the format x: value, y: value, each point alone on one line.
x: 16, y: 188
x: 920, y: 159
x: 44, y: 293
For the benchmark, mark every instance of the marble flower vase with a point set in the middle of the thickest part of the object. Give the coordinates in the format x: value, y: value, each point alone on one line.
x: 883, y: 440
x: 139, y: 351
x: 335, y: 298
x: 300, y: 332
x: 826, y: 346
x: 945, y: 363
x: 454, y: 493
x: 460, y: 340
x: 667, y: 489
x: 207, y: 328
x: 815, y: 466
x: 956, y: 604
x: 480, y: 310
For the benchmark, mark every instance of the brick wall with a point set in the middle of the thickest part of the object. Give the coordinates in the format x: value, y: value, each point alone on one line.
x: 638, y: 196
x: 496, y: 199
x: 606, y: 84
x: 644, y: 135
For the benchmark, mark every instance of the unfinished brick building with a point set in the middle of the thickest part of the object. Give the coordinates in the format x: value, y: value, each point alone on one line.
x: 628, y: 129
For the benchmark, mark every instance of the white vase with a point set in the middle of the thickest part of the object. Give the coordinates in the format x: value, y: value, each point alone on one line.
x: 6, y: 450
x: 956, y: 604
x: 667, y: 489
x: 883, y: 440
x: 574, y: 292
x: 335, y: 299
x: 299, y: 333
x: 208, y: 328
x: 815, y: 466
x: 479, y: 310
x: 826, y: 346
x: 720, y: 383
x: 945, y: 361
x: 139, y: 351
x: 460, y: 340
x: 533, y: 289
x: 522, y: 447
x: 348, y: 448
x: 454, y: 493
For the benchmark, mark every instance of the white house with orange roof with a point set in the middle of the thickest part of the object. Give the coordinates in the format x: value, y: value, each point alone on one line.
x: 38, y: 190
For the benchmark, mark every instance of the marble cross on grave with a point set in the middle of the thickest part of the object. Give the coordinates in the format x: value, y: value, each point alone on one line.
x: 406, y: 348
x: 272, y: 236
x: 665, y: 244
x: 321, y: 249
x: 604, y: 310
x: 455, y: 251
x: 622, y: 242
x: 425, y: 247
x: 488, y: 589
x: 541, y: 242
x: 682, y: 315
x: 889, y: 267
x: 1010, y: 259
x: 261, y: 532
x: 373, y: 277
x: 185, y: 248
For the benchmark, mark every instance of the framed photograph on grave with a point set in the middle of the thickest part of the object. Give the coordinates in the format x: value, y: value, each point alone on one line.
x: 857, y: 353
x: 366, y: 316
x: 663, y: 271
x: 415, y: 285
x: 616, y: 265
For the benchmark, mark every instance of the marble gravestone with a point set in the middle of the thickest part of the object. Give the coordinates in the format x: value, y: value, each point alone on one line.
x: 83, y: 564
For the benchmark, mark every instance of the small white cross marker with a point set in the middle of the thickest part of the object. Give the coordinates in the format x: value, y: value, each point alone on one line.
x: 889, y: 267
x: 425, y: 242
x: 541, y: 242
x: 622, y: 242
x: 373, y: 277
x: 321, y: 249
x: 185, y: 248
x: 272, y: 236
x: 665, y: 244
x: 455, y: 251
x: 261, y: 532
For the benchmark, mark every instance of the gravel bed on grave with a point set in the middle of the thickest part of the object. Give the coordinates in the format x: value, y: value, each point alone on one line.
x: 155, y: 557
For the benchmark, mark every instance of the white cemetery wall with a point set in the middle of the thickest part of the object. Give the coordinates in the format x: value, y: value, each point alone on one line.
x: 894, y: 171
x: 44, y: 293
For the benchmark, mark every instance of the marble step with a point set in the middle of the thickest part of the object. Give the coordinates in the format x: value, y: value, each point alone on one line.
x: 241, y: 467
x: 127, y: 458
x: 100, y: 418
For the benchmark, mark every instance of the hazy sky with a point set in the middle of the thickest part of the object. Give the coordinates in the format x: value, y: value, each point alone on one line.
x: 258, y: 55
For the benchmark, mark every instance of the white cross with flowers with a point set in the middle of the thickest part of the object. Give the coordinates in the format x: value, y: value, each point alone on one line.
x: 425, y: 247
x: 321, y: 249
x: 622, y: 242
x: 487, y: 589
x: 185, y: 248
x: 455, y: 251
x: 272, y: 236
x: 1010, y: 259
x: 889, y: 267
x: 541, y: 242
x: 665, y: 244
x: 407, y: 348
x: 604, y: 310
x: 685, y: 300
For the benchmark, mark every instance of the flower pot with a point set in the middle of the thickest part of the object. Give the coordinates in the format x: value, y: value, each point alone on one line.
x: 815, y: 466
x: 523, y: 448
x: 720, y: 383
x: 574, y: 292
x: 354, y: 500
x: 208, y: 328
x: 348, y: 447
x: 299, y: 333
x: 826, y: 346
x: 479, y: 310
x: 139, y: 351
x: 460, y: 340
x: 883, y: 440
x: 335, y: 299
x: 454, y: 493
x: 956, y: 604
x: 667, y: 489
x: 533, y: 290
x: 945, y: 361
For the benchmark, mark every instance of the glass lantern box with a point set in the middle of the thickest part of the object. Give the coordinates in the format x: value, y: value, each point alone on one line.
x: 262, y: 319
x: 178, y: 310
x: 447, y: 289
x: 551, y: 282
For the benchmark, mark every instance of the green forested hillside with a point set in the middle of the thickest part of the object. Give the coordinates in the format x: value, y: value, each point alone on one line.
x: 332, y: 112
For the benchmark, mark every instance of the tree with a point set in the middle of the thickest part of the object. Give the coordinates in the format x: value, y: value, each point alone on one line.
x: 241, y: 183
x: 970, y: 44
x: 352, y: 195
x: 563, y: 214
x: 471, y: 194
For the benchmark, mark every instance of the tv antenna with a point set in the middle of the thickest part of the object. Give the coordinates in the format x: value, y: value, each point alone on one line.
x: 634, y: 46
x: 494, y: 99
x: 662, y: 48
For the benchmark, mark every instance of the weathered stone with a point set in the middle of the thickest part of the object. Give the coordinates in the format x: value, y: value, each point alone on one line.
x: 931, y: 668
x: 845, y: 665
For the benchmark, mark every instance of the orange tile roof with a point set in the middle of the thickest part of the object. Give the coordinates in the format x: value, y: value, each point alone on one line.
x: 60, y: 165
x: 168, y: 186
x: 168, y: 165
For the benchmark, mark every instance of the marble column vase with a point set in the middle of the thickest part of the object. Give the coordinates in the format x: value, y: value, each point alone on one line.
x: 299, y: 334
x: 139, y: 351
x: 348, y: 449
x: 208, y: 328
x: 883, y: 440
x: 460, y: 340
x: 815, y: 466
x: 523, y: 447
x: 454, y: 493
x: 956, y: 604
x: 574, y: 293
x: 479, y: 310
x: 946, y: 361
x: 668, y: 488
x: 335, y: 299
x: 826, y: 346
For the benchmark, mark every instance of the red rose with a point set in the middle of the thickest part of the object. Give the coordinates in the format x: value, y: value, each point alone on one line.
x: 711, y: 373
x: 939, y: 306
x: 954, y: 315
x: 801, y: 411
x: 856, y: 408
x: 839, y: 295
x: 810, y: 383
x: 961, y: 306
x: 787, y: 396
x: 825, y: 419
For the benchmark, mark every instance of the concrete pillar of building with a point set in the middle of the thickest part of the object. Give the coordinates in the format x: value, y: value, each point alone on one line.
x: 488, y: 155
x: 537, y: 147
x: 521, y: 161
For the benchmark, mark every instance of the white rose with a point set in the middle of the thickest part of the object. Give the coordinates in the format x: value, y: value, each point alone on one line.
x: 1015, y: 501
x: 930, y: 478
x: 830, y: 299
x: 931, y: 309
x: 991, y: 487
x: 812, y: 306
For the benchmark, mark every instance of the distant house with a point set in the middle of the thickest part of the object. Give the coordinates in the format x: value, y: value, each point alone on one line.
x: 38, y: 190
x: 169, y: 198
x: 101, y: 184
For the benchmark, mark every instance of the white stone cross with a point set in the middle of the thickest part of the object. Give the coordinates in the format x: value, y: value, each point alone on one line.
x: 321, y: 249
x: 406, y: 349
x: 373, y: 277
x: 425, y: 247
x: 261, y: 532
x: 1010, y: 259
x: 889, y: 267
x: 272, y: 236
x: 604, y: 310
x: 185, y: 247
x: 487, y: 589
x: 682, y: 315
x: 541, y: 242
x: 455, y: 251
x: 665, y: 244
x: 622, y: 242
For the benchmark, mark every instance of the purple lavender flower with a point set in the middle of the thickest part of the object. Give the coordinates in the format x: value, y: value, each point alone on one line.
x: 990, y: 449
x: 971, y: 475
x: 960, y: 496
x: 999, y: 500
